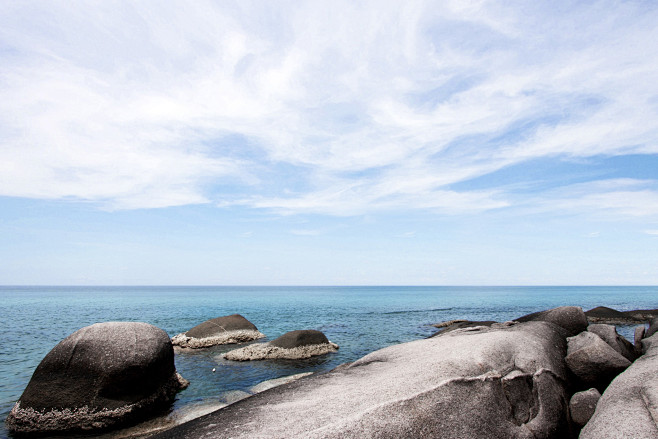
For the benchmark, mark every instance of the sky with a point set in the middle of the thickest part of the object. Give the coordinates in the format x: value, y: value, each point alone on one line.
x: 328, y: 143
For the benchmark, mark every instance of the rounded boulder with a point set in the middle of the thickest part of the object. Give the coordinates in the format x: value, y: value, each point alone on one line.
x: 571, y: 318
x: 101, y: 376
x: 593, y: 361
x: 582, y: 406
x: 218, y: 331
x: 293, y: 345
x: 303, y: 337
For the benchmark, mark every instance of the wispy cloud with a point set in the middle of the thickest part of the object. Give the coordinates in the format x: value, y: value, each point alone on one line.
x: 334, y: 108
x: 306, y: 232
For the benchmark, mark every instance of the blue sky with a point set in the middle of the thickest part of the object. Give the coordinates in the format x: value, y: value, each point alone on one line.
x: 329, y: 142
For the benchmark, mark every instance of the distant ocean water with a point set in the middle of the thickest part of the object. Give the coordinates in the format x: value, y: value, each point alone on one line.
x: 359, y: 319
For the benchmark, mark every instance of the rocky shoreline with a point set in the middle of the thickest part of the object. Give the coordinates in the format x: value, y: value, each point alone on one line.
x: 559, y: 373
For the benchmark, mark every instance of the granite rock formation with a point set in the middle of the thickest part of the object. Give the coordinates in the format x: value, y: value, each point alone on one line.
x: 218, y: 331
x: 502, y: 382
x: 629, y: 406
x: 293, y: 345
x: 571, y: 318
x: 101, y: 376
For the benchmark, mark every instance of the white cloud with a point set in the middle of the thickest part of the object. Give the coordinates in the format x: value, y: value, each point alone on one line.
x: 339, y: 108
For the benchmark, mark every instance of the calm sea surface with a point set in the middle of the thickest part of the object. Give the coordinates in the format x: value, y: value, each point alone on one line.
x: 359, y: 319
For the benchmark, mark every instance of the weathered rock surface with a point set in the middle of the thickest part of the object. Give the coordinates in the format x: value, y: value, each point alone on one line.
x: 452, y: 325
x: 101, y: 376
x: 474, y: 383
x: 221, y: 330
x: 593, y: 361
x: 629, y: 406
x: 652, y: 329
x: 571, y: 318
x: 603, y: 314
x: 293, y: 345
x: 582, y: 406
x: 608, y: 334
x: 638, y: 335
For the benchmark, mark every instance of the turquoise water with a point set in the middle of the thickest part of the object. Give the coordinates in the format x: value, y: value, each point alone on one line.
x: 359, y: 319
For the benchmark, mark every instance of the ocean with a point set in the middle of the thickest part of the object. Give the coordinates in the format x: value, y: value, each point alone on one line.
x: 359, y: 319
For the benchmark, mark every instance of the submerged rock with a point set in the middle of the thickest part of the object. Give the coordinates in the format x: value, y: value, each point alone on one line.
x: 571, y: 318
x: 101, y: 376
x: 504, y: 382
x: 221, y: 330
x: 629, y: 406
x: 293, y: 345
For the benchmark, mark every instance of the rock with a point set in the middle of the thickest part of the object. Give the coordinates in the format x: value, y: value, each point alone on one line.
x: 571, y: 318
x: 458, y: 324
x: 582, y: 406
x: 629, y: 406
x: 219, y: 331
x: 603, y: 314
x: 593, y: 361
x: 637, y: 339
x: 642, y: 315
x: 505, y: 382
x: 608, y: 334
x: 653, y: 328
x: 269, y: 384
x: 293, y: 345
x: 295, y: 339
x: 101, y: 376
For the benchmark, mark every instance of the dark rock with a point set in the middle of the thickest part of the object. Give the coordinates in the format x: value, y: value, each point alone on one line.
x: 582, y: 406
x: 593, y: 361
x: 608, y: 334
x: 628, y: 407
x: 101, y: 376
x: 642, y: 315
x: 218, y: 331
x: 503, y: 382
x: 304, y: 337
x: 293, y: 345
x: 218, y: 325
x: 571, y: 318
x: 603, y: 314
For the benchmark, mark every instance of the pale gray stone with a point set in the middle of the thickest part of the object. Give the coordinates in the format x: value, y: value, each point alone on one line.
x: 582, y: 406
x: 629, y: 406
x: 502, y: 382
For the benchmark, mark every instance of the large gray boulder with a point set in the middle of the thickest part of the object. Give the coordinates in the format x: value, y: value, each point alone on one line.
x: 629, y: 406
x: 293, y: 345
x: 571, y: 318
x: 608, y: 334
x: 504, y: 382
x: 101, y: 376
x: 593, y: 361
x: 218, y: 331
